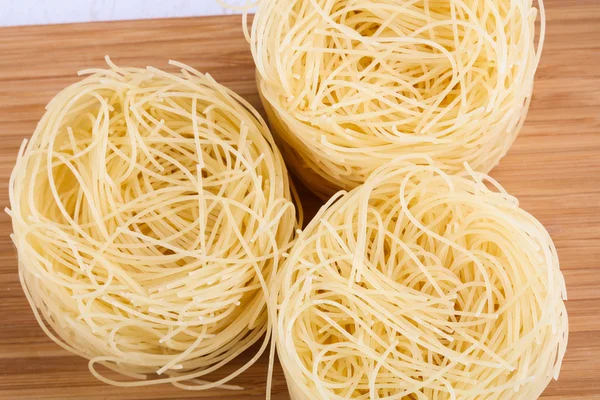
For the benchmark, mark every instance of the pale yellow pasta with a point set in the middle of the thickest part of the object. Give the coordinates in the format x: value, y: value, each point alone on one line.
x: 150, y: 211
x: 351, y: 84
x: 424, y: 286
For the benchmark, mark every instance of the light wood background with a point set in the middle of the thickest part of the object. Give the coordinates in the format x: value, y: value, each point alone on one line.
x: 554, y: 168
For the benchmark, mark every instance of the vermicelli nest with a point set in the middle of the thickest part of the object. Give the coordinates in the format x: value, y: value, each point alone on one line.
x: 420, y: 285
x: 150, y: 211
x: 352, y: 84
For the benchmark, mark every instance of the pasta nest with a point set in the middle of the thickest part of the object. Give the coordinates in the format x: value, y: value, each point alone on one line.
x: 421, y: 285
x: 150, y: 211
x: 350, y: 85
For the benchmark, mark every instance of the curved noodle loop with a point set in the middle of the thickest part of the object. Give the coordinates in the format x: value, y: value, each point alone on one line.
x: 349, y: 85
x: 420, y: 285
x: 150, y: 211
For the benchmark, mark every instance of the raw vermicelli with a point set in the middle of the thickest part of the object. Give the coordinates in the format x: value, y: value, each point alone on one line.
x: 420, y: 285
x: 150, y: 211
x: 349, y: 85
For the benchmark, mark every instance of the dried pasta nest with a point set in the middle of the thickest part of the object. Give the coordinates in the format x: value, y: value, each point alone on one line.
x: 421, y: 285
x: 150, y: 211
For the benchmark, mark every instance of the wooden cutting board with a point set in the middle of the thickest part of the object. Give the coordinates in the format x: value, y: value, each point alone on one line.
x: 554, y: 169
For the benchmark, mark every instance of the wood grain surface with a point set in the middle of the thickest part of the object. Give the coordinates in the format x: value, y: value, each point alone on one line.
x: 554, y: 169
